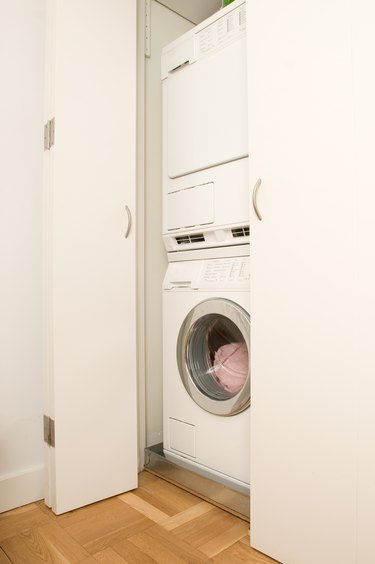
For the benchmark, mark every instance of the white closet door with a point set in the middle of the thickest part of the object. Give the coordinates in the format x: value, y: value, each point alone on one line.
x: 363, y: 14
x: 303, y: 467
x: 90, y: 265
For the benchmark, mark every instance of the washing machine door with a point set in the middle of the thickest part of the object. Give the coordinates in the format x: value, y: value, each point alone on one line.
x: 213, y: 350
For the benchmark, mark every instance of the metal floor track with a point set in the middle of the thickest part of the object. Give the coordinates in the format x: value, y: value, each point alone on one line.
x: 218, y: 494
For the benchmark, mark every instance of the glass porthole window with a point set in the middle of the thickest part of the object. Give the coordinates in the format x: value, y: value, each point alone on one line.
x: 213, y: 356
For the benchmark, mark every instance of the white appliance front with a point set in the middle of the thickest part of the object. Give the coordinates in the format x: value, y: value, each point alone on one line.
x: 205, y: 149
x: 206, y: 345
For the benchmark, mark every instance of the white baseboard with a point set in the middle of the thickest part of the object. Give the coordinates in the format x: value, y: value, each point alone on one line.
x: 21, y: 488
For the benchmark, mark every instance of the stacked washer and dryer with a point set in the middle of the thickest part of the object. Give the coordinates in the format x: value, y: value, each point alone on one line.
x: 206, y: 336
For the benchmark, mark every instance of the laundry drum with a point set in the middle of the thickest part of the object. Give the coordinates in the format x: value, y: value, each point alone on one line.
x: 213, y: 356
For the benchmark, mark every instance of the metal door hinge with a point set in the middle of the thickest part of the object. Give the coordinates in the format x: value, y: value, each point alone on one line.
x: 147, y: 28
x: 49, y: 134
x: 49, y: 430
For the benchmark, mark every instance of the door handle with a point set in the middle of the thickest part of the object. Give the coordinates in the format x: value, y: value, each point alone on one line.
x: 255, y: 191
x: 129, y: 221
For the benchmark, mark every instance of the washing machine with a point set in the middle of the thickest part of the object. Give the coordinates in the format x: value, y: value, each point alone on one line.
x: 206, y: 379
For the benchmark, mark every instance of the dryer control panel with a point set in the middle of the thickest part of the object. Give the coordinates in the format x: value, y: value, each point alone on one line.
x: 222, y: 31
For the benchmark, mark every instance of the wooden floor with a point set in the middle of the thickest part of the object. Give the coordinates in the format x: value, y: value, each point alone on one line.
x: 158, y: 522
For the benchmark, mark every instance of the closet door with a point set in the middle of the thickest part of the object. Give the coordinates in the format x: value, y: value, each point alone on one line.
x: 303, y: 371
x: 90, y: 251
x: 363, y: 14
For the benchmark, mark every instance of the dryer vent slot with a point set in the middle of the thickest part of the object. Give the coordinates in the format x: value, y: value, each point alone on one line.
x: 186, y: 239
x: 241, y: 231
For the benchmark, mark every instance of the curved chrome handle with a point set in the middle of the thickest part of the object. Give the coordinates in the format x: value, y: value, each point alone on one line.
x: 129, y: 222
x: 255, y: 190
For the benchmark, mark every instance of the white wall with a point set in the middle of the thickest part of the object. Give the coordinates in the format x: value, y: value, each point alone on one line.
x: 21, y: 138
x: 165, y: 27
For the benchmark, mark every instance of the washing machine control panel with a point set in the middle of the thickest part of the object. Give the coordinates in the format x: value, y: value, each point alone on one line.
x: 225, y: 272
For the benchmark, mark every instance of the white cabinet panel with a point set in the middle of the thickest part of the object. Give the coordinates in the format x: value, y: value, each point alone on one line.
x: 90, y: 266
x: 303, y: 467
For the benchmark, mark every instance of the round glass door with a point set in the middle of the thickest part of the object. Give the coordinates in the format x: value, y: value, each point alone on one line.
x: 213, y: 356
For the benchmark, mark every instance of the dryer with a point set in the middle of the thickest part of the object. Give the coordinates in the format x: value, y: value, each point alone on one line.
x: 205, y: 145
x: 206, y: 380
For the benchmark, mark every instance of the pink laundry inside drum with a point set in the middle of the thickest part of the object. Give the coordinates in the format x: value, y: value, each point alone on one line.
x: 231, y: 366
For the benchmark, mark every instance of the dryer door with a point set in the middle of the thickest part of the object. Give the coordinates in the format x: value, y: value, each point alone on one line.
x: 213, y: 356
x: 206, y: 111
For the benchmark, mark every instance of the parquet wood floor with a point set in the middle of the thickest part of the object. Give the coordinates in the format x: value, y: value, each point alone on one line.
x: 157, y: 523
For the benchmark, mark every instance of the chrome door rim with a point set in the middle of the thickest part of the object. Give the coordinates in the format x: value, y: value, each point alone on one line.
x: 235, y: 313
